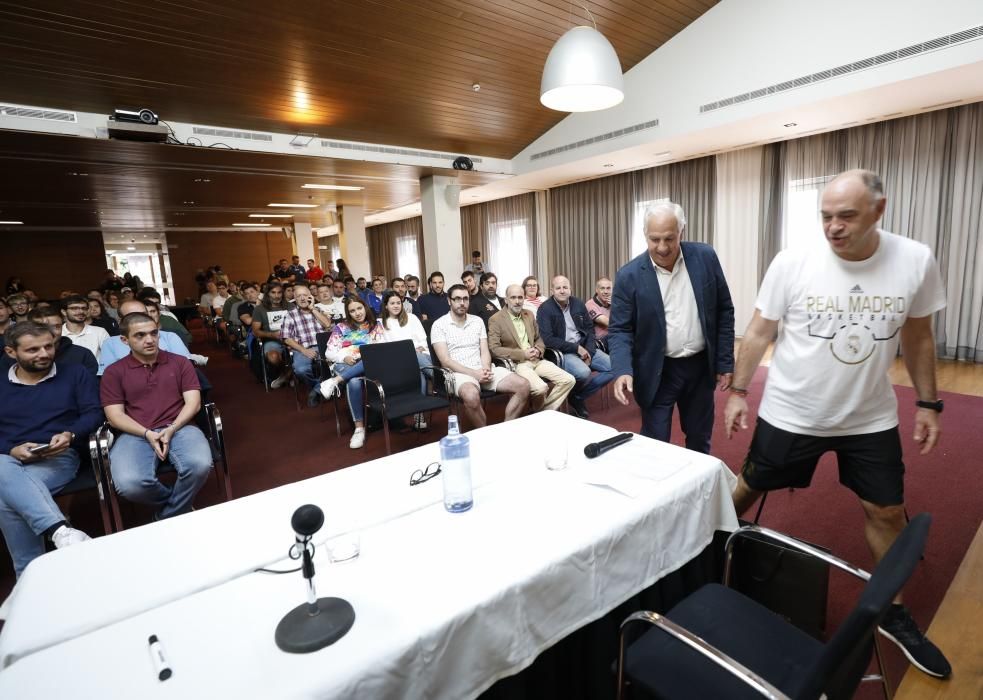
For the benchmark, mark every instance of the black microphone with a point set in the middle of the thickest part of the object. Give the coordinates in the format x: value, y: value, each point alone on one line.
x: 306, y: 521
x: 595, y: 449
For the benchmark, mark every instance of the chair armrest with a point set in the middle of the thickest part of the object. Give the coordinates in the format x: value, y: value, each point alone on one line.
x: 449, y: 383
x: 504, y: 362
x: 789, y: 542
x: 376, y: 382
x: 710, y: 652
x: 554, y: 356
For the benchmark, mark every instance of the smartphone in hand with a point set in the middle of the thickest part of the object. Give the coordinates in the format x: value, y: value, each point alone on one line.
x: 40, y: 449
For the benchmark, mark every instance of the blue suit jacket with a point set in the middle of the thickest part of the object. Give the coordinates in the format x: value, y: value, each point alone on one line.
x: 637, y: 331
x: 553, y: 327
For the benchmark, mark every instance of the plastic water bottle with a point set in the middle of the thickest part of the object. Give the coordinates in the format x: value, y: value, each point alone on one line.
x: 455, y: 460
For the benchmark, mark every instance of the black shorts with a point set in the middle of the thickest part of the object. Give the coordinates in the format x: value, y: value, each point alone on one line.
x: 870, y: 464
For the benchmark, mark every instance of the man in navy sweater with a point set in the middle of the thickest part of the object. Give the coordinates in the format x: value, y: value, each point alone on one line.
x: 66, y: 352
x: 38, y: 445
x: 567, y: 327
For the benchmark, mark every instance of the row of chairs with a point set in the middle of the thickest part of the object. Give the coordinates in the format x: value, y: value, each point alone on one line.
x: 95, y: 471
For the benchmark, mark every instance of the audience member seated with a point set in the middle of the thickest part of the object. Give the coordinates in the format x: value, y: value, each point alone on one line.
x: 314, y: 272
x: 566, y: 327
x: 399, y: 324
x: 64, y: 409
x: 513, y: 335
x: 468, y: 280
x: 361, y: 286
x: 343, y: 270
x: 434, y: 304
x: 299, y: 332
x: 126, y: 294
x: 250, y: 294
x: 461, y: 344
x: 599, y: 308
x: 343, y: 351
x: 374, y: 297
x: 66, y: 352
x: 75, y: 309
x: 6, y: 320
x: 234, y: 298
x: 111, y: 281
x: 168, y: 321
x: 533, y: 299
x: 19, y: 306
x: 331, y: 300
x: 267, y: 318
x: 14, y: 285
x: 351, y: 288
x: 205, y: 305
x: 486, y: 303
x: 98, y: 317
x: 112, y: 304
x: 288, y: 296
x: 399, y: 286
x: 152, y: 397
x: 413, y: 288
x: 116, y: 348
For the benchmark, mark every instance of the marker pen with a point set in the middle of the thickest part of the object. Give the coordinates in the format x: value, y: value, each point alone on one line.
x: 157, y: 656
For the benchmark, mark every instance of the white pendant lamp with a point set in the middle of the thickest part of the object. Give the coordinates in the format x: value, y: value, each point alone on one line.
x: 582, y: 73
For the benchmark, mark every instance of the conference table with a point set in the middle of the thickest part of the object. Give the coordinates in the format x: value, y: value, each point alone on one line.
x: 446, y: 604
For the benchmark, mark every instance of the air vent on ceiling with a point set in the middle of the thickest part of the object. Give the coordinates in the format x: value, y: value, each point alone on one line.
x: 51, y: 115
x: 388, y: 150
x: 863, y: 64
x: 232, y: 134
x: 595, y: 139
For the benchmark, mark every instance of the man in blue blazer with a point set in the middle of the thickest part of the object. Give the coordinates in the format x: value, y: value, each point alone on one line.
x: 671, y: 334
x: 566, y: 327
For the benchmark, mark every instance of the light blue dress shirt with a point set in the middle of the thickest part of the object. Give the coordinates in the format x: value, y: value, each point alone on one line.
x: 114, y: 348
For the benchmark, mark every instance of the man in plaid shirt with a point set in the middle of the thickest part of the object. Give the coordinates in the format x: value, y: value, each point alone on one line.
x: 299, y: 332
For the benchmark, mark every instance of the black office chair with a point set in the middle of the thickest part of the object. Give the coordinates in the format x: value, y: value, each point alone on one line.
x: 718, y: 643
x: 209, y: 420
x: 91, y: 476
x: 392, y: 383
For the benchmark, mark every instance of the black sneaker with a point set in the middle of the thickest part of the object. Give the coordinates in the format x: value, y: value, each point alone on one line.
x: 898, y: 626
x: 314, y: 398
x: 578, y: 407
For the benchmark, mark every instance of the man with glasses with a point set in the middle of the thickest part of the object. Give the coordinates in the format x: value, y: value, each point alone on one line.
x: 461, y: 345
x: 75, y: 309
x: 19, y: 306
x: 299, y: 332
x: 66, y: 352
x: 152, y: 396
x: 514, y: 335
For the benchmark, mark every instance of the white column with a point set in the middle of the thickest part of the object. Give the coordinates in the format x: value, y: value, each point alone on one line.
x: 442, y: 227
x: 354, y: 244
x: 304, y: 243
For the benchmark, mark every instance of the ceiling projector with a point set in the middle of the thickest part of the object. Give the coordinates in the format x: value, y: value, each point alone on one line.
x: 135, y: 116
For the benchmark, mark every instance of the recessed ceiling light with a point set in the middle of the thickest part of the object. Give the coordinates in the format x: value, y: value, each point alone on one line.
x: 11, y: 223
x: 609, y: 165
x: 663, y: 154
x: 790, y: 124
x: 345, y: 188
x: 259, y: 225
x: 202, y: 179
x: 293, y: 206
x: 75, y: 174
x: 131, y: 247
x: 270, y: 216
x: 187, y: 201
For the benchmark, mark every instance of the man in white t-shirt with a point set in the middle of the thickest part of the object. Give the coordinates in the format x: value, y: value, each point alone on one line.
x: 460, y: 342
x: 844, y: 308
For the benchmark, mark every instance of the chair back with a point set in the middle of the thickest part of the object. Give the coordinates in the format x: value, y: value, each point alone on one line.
x: 846, y: 655
x: 322, y: 343
x: 394, y: 365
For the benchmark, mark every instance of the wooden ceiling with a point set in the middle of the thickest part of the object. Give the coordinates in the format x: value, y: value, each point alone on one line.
x: 381, y: 71
x: 50, y: 181
x: 396, y: 72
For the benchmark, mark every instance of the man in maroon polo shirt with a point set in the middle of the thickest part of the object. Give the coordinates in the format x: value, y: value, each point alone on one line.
x: 152, y: 396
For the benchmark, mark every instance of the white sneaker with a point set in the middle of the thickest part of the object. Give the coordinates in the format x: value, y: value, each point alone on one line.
x: 199, y: 360
x: 65, y: 536
x: 280, y: 381
x: 419, y: 421
x: 358, y: 438
x: 329, y: 388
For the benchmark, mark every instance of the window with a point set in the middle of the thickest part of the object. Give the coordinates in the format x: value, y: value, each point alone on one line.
x: 803, y: 223
x: 509, y: 254
x: 638, y: 244
x: 407, y: 255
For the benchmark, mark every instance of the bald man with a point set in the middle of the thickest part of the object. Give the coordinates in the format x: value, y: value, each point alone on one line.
x: 845, y: 305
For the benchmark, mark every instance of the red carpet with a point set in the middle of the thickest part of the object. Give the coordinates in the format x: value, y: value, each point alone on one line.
x: 272, y: 443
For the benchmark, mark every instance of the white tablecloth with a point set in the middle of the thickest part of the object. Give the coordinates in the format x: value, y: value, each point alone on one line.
x: 446, y: 604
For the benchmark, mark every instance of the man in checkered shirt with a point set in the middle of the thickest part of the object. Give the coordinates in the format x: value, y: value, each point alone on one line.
x: 460, y: 342
x: 299, y: 332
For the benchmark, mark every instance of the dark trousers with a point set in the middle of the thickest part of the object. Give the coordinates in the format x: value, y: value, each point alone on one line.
x: 685, y: 382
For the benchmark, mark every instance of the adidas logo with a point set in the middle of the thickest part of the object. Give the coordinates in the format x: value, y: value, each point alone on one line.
x: 856, y: 289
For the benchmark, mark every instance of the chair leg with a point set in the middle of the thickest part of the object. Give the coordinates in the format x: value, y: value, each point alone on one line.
x: 885, y: 685
x: 761, y: 505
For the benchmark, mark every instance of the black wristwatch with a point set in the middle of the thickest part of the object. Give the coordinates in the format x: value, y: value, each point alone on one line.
x: 931, y: 405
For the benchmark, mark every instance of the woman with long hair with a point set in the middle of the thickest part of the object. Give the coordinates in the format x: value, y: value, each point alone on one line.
x: 399, y: 324
x: 343, y: 270
x: 98, y: 317
x: 344, y: 352
x: 530, y: 287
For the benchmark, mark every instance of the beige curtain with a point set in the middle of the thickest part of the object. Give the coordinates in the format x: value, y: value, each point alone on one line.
x: 396, y: 248
x: 595, y: 222
x: 505, y: 231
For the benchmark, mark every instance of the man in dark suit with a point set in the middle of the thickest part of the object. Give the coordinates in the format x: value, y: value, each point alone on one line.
x: 486, y: 303
x: 672, y: 327
x: 566, y: 326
